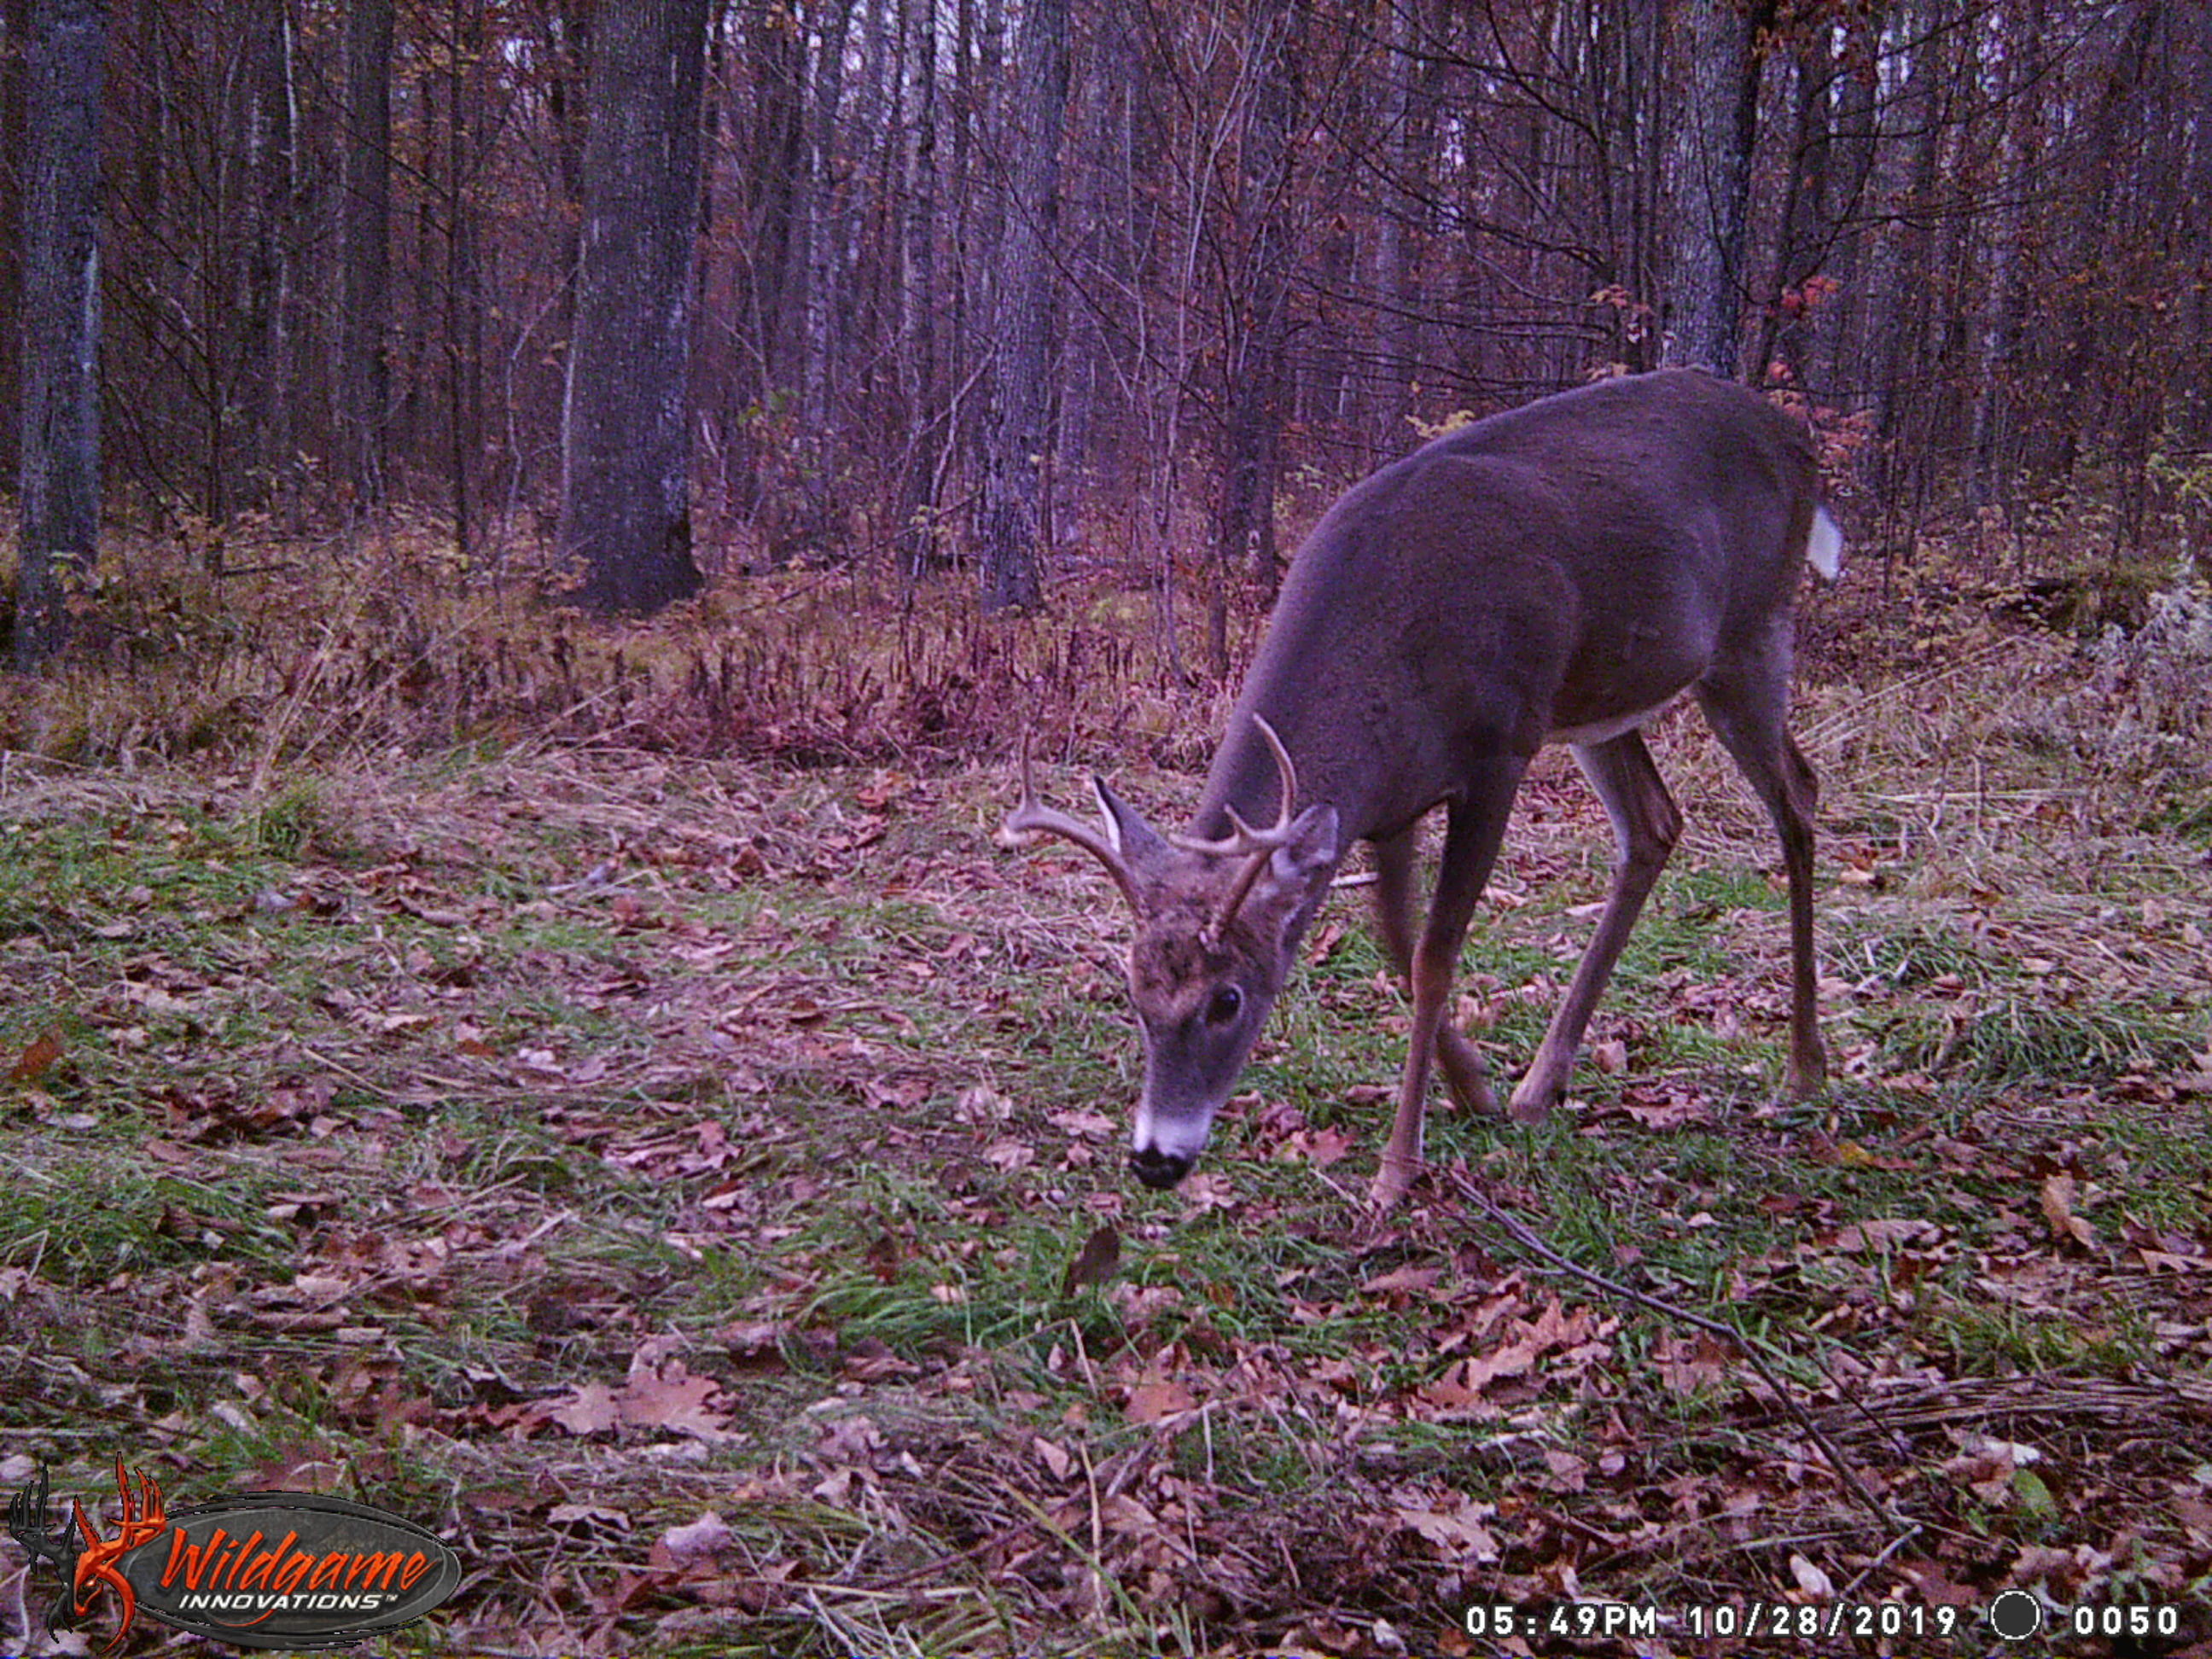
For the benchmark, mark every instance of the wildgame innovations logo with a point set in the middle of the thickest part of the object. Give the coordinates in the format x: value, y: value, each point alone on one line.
x: 261, y: 1570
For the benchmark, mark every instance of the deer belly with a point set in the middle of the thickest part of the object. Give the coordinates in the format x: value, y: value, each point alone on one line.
x: 1605, y: 731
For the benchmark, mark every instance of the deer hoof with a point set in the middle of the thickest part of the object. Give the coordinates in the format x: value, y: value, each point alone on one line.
x: 1465, y: 1074
x: 1532, y: 1102
x: 1392, y: 1182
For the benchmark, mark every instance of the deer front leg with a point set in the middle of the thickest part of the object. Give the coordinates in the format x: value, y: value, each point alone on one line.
x: 1466, y: 1073
x: 1645, y: 826
x: 1474, y: 828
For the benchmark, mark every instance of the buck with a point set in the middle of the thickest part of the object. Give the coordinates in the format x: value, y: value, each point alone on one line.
x: 1560, y: 572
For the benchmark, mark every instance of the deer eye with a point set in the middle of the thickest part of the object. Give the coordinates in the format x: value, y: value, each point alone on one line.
x: 1224, y: 1005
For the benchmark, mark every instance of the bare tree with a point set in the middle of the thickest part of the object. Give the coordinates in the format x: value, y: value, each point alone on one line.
x: 626, y: 435
x: 364, y: 367
x: 1017, y: 431
x: 58, y: 472
x: 1713, y: 177
x: 263, y: 141
x: 1256, y: 306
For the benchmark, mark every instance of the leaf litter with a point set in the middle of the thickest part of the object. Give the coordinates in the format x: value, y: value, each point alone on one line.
x: 675, y: 1181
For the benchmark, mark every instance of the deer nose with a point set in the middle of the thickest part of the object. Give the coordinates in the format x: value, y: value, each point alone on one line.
x: 1157, y: 1170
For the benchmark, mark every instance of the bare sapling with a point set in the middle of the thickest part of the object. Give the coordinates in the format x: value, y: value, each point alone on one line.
x: 1560, y: 572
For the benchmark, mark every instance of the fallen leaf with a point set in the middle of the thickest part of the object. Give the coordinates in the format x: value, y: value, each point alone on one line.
x: 1155, y: 1397
x: 598, y: 1516
x: 1458, y: 1534
x: 1815, y: 1583
x: 590, y: 1408
x: 1053, y: 1457
x: 701, y: 1539
x: 2059, y: 1192
x: 1095, y: 1262
x: 44, y: 1051
x: 665, y: 1395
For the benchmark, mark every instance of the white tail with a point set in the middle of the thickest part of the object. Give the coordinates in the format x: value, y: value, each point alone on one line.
x: 1560, y: 572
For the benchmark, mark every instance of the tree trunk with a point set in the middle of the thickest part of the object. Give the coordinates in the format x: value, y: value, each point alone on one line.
x: 464, y: 298
x: 1785, y: 334
x: 1017, y: 430
x: 626, y: 433
x: 1713, y: 181
x: 917, y: 357
x: 1257, y: 306
x: 15, y: 28
x: 58, y: 473
x: 364, y: 369
x: 1996, y: 394
x: 270, y: 187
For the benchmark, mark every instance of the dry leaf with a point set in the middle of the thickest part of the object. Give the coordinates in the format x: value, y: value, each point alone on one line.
x: 701, y: 1539
x: 602, y: 1515
x: 589, y: 1409
x: 1816, y: 1584
x: 44, y: 1051
x: 1459, y: 1535
x: 1095, y: 1262
x: 1155, y: 1397
x: 2059, y: 1192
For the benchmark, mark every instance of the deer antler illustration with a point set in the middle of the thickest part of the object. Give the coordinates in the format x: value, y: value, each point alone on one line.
x: 96, y: 1567
x: 31, y: 1523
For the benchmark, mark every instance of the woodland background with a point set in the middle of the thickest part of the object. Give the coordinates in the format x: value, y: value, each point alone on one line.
x: 969, y: 280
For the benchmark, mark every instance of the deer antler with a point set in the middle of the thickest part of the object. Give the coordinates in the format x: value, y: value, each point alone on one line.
x: 1032, y: 818
x: 1257, y: 847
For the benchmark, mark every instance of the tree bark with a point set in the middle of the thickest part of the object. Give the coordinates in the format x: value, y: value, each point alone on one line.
x: 626, y: 431
x: 917, y: 357
x: 266, y: 142
x: 1017, y: 430
x: 58, y: 471
x: 15, y: 29
x: 364, y: 369
x: 1713, y: 181
x: 1257, y: 306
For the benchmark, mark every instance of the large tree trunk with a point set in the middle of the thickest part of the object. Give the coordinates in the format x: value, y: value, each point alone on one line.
x: 927, y: 418
x: 58, y: 474
x: 267, y: 144
x: 1257, y: 309
x: 15, y: 29
x: 626, y: 449
x: 1017, y: 431
x: 1713, y: 179
x: 364, y: 369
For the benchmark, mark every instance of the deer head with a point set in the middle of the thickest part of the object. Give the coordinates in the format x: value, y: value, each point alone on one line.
x: 1217, y: 922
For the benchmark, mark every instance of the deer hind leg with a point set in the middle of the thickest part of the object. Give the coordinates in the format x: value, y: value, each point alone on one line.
x: 1645, y: 826
x: 1748, y: 711
x: 1465, y: 1071
x: 1475, y: 827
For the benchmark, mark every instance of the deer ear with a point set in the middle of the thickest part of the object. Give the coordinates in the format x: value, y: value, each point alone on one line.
x: 1311, y: 848
x: 1297, y: 872
x: 1137, y: 842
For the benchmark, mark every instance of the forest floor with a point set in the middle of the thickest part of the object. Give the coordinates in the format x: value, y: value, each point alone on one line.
x: 655, y: 1161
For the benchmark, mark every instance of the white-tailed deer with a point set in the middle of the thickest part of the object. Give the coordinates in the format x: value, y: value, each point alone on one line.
x: 1558, y: 573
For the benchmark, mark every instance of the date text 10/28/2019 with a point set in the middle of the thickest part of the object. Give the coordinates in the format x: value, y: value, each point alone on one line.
x: 2014, y: 1616
x: 1697, y: 1621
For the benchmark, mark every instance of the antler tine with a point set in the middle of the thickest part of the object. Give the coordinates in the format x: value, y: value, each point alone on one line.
x: 1256, y: 847
x: 1245, y: 838
x: 1031, y: 818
